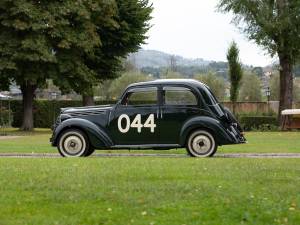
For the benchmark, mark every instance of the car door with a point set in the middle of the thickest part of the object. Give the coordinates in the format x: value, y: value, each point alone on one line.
x: 179, y: 103
x: 134, y: 120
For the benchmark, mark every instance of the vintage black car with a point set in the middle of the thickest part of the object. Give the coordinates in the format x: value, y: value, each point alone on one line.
x: 160, y: 114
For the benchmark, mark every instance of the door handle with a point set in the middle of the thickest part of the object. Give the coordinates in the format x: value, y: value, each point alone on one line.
x: 157, y: 114
x: 161, y: 114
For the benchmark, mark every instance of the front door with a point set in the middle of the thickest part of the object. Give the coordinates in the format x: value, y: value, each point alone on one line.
x: 134, y: 121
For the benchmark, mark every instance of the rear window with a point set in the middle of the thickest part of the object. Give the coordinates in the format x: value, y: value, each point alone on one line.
x: 209, y: 97
x: 179, y: 96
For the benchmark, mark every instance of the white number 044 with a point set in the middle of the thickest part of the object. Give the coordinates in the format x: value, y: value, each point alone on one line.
x: 136, y: 123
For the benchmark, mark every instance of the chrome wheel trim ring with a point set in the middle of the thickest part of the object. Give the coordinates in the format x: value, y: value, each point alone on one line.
x: 199, y: 149
x: 72, y: 144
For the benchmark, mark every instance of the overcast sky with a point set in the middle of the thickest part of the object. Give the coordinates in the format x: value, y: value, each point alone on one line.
x: 193, y: 29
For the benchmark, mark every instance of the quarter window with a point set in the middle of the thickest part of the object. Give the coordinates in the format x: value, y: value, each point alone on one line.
x: 141, y: 96
x: 179, y: 96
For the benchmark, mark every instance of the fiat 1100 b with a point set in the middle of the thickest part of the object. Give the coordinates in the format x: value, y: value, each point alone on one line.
x: 160, y: 114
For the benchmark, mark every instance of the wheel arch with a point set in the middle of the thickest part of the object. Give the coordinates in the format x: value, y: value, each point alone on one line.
x: 208, y: 124
x: 97, y: 136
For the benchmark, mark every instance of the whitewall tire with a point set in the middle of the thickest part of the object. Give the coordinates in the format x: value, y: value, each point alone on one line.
x: 201, y: 143
x: 73, y: 143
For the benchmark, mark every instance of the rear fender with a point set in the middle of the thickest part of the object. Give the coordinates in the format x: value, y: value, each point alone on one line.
x: 97, y: 136
x: 206, y: 123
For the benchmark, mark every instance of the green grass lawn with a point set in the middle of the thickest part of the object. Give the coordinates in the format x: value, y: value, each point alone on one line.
x: 149, y: 191
x: 264, y: 142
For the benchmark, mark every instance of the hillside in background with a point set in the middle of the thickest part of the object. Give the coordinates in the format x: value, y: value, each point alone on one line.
x: 156, y: 59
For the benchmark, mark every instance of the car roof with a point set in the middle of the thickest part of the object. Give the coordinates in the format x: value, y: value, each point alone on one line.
x: 188, y: 82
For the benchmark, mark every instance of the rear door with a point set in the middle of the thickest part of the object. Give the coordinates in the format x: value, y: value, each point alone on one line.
x: 134, y: 121
x: 179, y: 103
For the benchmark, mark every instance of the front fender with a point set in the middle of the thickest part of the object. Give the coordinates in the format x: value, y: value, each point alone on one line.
x: 207, y: 123
x: 97, y: 136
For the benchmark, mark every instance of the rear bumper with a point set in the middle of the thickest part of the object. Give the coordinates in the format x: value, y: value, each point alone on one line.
x: 237, y: 136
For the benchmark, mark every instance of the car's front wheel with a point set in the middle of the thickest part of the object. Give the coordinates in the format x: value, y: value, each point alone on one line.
x: 73, y: 143
x: 201, y: 143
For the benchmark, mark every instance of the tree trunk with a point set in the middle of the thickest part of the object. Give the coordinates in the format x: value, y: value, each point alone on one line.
x: 28, y: 91
x: 88, y: 100
x: 234, y: 108
x: 286, y: 84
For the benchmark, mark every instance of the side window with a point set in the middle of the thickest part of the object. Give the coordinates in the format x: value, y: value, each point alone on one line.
x: 179, y: 96
x: 141, y: 96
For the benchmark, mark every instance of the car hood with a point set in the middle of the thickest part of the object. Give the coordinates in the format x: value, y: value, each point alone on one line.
x: 90, y: 110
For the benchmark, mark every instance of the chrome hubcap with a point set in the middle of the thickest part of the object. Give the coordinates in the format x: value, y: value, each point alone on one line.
x: 201, y: 144
x: 73, y: 144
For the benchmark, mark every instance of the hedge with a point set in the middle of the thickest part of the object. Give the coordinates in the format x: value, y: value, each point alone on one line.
x: 45, y: 111
x: 5, y: 117
x: 256, y: 122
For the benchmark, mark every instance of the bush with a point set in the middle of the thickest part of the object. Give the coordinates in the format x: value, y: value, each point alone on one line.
x: 45, y: 112
x: 5, y: 117
x: 258, y: 122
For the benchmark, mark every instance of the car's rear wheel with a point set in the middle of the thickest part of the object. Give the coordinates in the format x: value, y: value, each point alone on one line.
x: 201, y: 143
x: 73, y: 143
x: 90, y: 151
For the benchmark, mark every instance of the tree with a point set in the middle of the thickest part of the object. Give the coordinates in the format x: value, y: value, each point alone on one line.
x: 275, y: 88
x: 273, y: 25
x: 169, y: 74
x: 258, y: 71
x: 216, y: 84
x: 118, y: 86
x: 38, y: 39
x: 235, y: 72
x: 124, y: 35
x: 250, y: 88
x: 173, y: 63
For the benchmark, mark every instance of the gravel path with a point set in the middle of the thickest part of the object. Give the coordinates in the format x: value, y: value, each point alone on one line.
x: 110, y: 155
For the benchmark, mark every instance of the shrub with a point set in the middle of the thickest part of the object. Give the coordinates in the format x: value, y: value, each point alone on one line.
x: 5, y: 117
x: 258, y: 122
x: 45, y: 112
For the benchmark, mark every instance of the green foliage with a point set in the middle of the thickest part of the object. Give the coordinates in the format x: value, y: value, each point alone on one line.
x: 250, y: 88
x: 75, y: 43
x: 257, y: 122
x: 5, y: 117
x: 38, y: 39
x: 123, y: 32
x: 216, y: 84
x: 235, y: 71
x: 258, y: 71
x: 45, y: 112
x: 118, y: 85
x: 271, y: 24
x: 275, y: 88
x: 274, y: 25
x: 169, y: 74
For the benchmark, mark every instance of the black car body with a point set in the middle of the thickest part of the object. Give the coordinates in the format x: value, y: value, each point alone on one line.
x: 160, y: 114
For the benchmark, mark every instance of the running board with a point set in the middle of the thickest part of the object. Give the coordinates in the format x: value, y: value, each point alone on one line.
x: 149, y: 146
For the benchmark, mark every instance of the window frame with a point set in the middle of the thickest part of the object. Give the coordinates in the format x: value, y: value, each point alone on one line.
x: 135, y: 89
x: 194, y: 92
